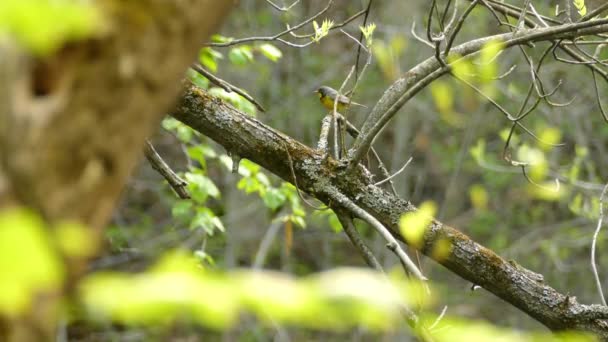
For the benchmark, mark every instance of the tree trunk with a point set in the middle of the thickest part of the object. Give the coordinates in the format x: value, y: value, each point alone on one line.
x: 72, y: 125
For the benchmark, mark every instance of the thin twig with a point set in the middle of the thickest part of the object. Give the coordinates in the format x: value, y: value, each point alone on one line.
x: 284, y: 8
x: 276, y: 37
x: 598, y: 283
x: 392, y: 243
x: 156, y: 161
x: 361, y: 36
x: 438, y: 319
x: 267, y: 240
x: 395, y: 174
x: 357, y: 241
x: 225, y: 85
x: 354, y: 132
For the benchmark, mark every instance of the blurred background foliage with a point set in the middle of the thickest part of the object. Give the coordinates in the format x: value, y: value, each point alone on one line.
x: 252, y: 220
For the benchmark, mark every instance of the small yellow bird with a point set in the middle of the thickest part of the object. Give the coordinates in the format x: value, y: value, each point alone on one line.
x: 328, y: 95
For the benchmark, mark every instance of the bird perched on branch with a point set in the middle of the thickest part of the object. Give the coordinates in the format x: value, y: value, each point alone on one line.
x: 328, y: 95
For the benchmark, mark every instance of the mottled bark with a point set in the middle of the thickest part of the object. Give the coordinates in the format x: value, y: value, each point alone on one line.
x: 72, y: 125
x: 323, y: 178
x: 76, y: 121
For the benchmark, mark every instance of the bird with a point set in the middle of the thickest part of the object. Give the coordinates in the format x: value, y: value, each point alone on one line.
x: 328, y: 95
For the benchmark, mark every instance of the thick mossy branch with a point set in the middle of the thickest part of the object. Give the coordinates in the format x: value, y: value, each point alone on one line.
x: 319, y: 177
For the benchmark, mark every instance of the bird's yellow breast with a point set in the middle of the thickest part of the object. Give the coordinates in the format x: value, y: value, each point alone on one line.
x: 328, y: 103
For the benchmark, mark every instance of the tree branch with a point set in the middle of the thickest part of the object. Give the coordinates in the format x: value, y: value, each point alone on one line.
x: 177, y: 184
x: 318, y: 176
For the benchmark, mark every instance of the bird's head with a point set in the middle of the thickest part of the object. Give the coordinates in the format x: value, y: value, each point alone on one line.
x: 324, y: 91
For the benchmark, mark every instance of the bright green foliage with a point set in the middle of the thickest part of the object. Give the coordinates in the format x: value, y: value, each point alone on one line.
x: 580, y: 6
x: 271, y: 52
x: 330, y: 217
x: 443, y: 96
x: 274, y: 198
x: 240, y: 55
x: 479, y: 197
x: 178, y: 289
x: 183, y: 132
x: 549, y: 136
x: 235, y: 99
x: 42, y: 26
x: 368, y: 33
x: 198, y: 79
x: 194, y: 212
x: 30, y: 265
x: 462, y: 68
x: 413, y: 225
x: 535, y: 159
x: 484, y: 69
x: 388, y: 56
x: 488, y: 66
x: 209, y: 57
x: 75, y: 240
x: 321, y: 31
x: 454, y: 329
x: 487, y: 60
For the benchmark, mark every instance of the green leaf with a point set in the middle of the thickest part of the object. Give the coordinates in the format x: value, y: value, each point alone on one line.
x: 368, y: 32
x: 580, y: 7
x: 43, y: 26
x: 271, y: 52
x: 182, y: 209
x: 298, y: 220
x: 248, y: 185
x: 208, y: 57
x: 323, y: 30
x: 29, y: 263
x: 273, y: 198
x: 240, y: 55
x: 75, y: 240
x: 201, y: 186
x: 206, y: 219
x: 216, y: 38
x: 413, y: 224
x: 198, y: 79
x: 478, y: 151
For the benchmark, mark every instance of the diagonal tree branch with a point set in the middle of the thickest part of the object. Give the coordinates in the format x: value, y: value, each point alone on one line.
x: 319, y: 176
x: 156, y: 161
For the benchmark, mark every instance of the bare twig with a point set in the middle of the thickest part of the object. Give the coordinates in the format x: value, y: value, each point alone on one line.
x: 156, y: 161
x: 276, y: 37
x: 354, y: 132
x: 420, y: 39
x: 225, y: 85
x: 267, y: 240
x: 361, y: 36
x: 598, y: 283
x: 395, y: 174
x: 284, y: 8
x: 357, y: 241
x: 392, y: 243
x: 438, y: 319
